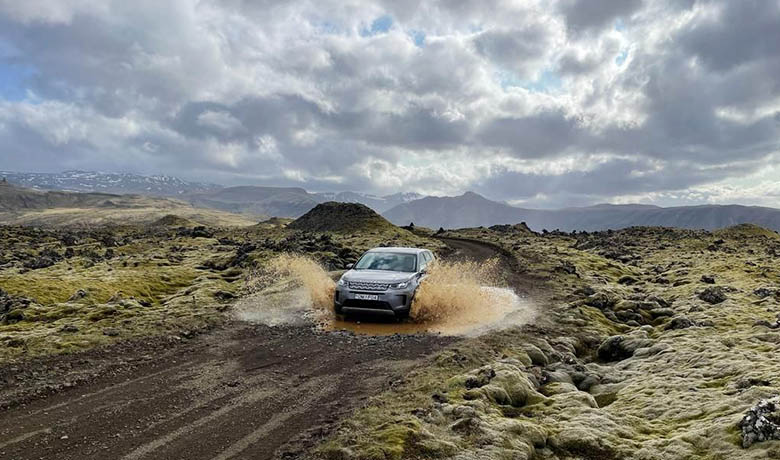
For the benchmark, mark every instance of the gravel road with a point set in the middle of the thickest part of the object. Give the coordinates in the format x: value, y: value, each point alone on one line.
x: 241, y: 391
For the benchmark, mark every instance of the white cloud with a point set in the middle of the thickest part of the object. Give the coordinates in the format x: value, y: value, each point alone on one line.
x: 548, y: 103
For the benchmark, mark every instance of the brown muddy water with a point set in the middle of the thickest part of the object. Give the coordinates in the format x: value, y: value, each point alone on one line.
x: 457, y: 298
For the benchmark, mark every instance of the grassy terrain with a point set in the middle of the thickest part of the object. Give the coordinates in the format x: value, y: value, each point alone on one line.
x: 90, y: 217
x: 23, y: 206
x: 630, y: 358
x: 66, y: 290
x: 649, y: 343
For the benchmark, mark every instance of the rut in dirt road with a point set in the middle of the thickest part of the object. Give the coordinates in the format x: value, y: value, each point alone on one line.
x: 241, y: 392
x: 245, y: 393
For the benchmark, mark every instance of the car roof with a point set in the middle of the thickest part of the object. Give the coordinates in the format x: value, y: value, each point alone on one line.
x: 399, y: 250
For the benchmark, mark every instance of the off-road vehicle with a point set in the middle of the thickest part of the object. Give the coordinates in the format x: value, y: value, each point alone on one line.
x: 382, y: 281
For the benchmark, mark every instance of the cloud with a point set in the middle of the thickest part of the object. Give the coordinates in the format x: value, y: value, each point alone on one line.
x: 540, y: 103
x: 584, y: 15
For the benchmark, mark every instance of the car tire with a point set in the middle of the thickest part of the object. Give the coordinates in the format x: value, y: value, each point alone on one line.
x: 337, y: 309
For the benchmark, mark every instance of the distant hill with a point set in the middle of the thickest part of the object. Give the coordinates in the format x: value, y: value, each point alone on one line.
x: 118, y: 183
x: 288, y: 201
x: 106, y: 190
x: 22, y: 206
x: 172, y: 220
x: 377, y: 203
x: 14, y: 198
x: 467, y: 210
x: 253, y: 200
x: 341, y: 217
x: 473, y: 210
x: 270, y: 201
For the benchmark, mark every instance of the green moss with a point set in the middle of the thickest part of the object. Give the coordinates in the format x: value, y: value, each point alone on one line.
x: 717, y: 383
x: 100, y: 284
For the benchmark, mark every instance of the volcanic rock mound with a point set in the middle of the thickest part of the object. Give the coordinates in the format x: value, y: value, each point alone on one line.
x: 340, y: 217
x: 172, y: 220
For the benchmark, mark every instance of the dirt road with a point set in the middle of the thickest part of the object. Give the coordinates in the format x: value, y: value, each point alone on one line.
x: 243, y: 391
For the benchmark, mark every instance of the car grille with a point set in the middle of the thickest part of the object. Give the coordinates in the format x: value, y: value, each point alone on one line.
x: 368, y: 286
x: 371, y: 304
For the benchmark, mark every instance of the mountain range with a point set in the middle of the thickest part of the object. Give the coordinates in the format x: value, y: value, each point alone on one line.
x: 254, y: 200
x: 467, y: 210
x: 25, y: 206
x: 117, y: 183
x: 473, y: 210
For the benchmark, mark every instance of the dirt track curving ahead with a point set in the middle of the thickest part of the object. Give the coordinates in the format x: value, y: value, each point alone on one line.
x: 243, y: 391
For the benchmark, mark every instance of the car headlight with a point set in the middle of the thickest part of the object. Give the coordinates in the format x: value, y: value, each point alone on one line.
x: 400, y: 285
x: 342, y: 282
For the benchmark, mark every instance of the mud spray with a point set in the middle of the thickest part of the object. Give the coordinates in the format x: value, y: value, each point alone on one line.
x: 455, y: 298
x: 290, y: 289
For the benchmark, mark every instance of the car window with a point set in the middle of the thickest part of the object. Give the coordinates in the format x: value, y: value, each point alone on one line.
x: 423, y: 261
x: 387, y: 261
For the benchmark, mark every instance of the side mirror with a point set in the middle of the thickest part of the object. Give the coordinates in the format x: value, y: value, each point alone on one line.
x: 349, y: 266
x: 424, y: 270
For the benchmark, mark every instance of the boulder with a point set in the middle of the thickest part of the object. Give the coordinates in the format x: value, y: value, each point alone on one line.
x: 566, y: 267
x: 713, y: 295
x: 619, y: 347
x: 480, y: 378
x: 601, y: 300
x: 78, y: 295
x: 627, y: 280
x: 761, y: 422
x: 661, y: 312
x: 663, y: 303
x: 537, y: 356
x: 764, y: 292
x: 680, y: 322
x: 556, y: 388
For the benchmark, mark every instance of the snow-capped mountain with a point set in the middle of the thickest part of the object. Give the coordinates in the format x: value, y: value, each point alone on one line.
x: 275, y: 201
x: 119, y: 183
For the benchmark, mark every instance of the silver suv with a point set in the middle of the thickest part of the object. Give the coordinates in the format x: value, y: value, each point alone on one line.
x: 383, y: 281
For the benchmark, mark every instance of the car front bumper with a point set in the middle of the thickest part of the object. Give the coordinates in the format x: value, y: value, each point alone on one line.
x: 395, y: 302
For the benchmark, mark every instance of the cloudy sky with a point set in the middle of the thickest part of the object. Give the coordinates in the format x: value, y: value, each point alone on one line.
x: 541, y: 103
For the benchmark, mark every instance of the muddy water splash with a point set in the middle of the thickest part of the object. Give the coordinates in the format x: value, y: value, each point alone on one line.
x: 290, y: 289
x: 455, y: 298
x: 313, y: 278
x: 454, y: 289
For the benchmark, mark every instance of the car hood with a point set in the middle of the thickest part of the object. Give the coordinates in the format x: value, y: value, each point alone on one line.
x: 377, y: 276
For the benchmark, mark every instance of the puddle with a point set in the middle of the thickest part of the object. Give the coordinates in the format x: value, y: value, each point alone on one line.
x: 504, y: 309
x: 453, y: 300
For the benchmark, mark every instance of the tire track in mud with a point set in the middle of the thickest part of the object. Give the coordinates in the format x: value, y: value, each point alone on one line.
x: 84, y: 397
x: 204, y: 409
x: 241, y: 392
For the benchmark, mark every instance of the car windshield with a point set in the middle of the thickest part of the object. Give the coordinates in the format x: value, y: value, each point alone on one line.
x: 387, y: 261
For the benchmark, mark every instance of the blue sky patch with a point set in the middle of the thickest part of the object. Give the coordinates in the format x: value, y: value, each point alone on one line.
x: 418, y: 37
x: 380, y: 25
x: 621, y: 57
x: 13, y: 79
x: 547, y: 82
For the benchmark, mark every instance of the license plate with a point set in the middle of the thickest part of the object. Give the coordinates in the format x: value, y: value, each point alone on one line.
x: 366, y: 297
